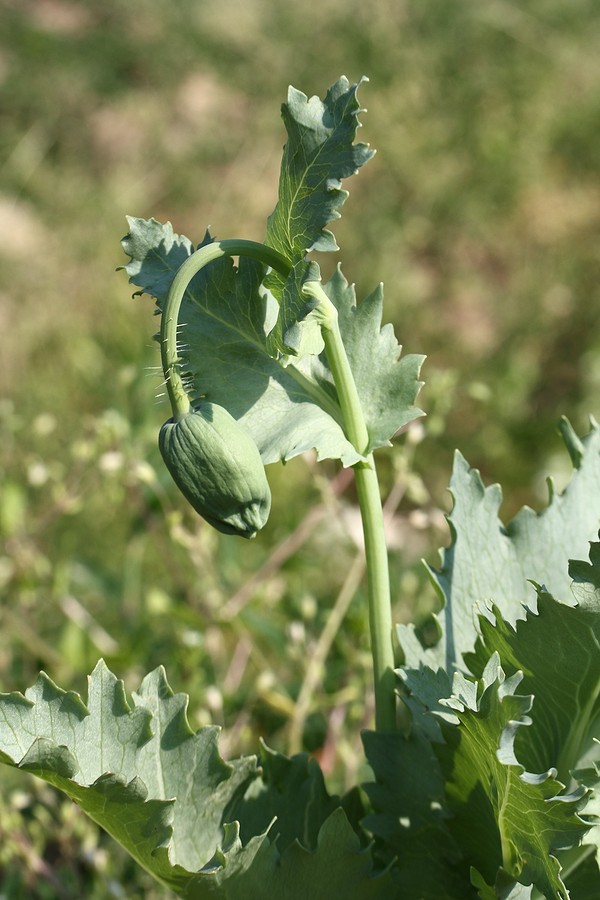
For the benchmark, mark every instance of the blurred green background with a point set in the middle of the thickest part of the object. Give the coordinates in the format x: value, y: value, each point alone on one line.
x: 480, y: 214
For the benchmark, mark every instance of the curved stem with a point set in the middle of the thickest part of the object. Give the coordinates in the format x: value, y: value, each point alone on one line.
x: 367, y: 485
x: 178, y: 397
x: 369, y: 499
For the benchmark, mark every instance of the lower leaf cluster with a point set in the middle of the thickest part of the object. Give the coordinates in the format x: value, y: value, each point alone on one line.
x: 491, y: 794
x: 494, y: 792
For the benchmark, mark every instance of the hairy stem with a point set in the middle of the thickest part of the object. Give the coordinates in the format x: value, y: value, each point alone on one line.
x: 367, y: 487
x: 169, y: 354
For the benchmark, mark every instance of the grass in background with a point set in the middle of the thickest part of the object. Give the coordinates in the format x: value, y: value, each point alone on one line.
x: 480, y: 214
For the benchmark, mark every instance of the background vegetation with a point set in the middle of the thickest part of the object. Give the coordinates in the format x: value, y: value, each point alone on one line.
x: 480, y: 214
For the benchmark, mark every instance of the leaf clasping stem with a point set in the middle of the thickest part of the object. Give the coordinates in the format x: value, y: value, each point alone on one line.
x: 369, y: 499
x: 180, y: 403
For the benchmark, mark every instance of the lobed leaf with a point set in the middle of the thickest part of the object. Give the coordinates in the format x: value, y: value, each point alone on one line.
x: 287, y: 408
x: 319, y: 153
x: 290, y: 799
x: 297, y: 331
x: 125, y: 766
x: 557, y: 650
x: 504, y: 887
x: 504, y: 756
x: 522, y: 818
x: 156, y: 253
x: 489, y: 562
x: 337, y: 868
x: 203, y: 827
x: 507, y: 824
x: 387, y: 384
x: 226, y: 321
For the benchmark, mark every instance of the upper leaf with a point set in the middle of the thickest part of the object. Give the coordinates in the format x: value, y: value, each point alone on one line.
x: 319, y: 152
x: 387, y: 384
x: 489, y: 562
x: 226, y: 319
x: 156, y: 253
x: 288, y: 409
x: 297, y: 331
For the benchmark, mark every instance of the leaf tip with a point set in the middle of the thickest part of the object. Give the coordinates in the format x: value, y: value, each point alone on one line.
x: 573, y: 444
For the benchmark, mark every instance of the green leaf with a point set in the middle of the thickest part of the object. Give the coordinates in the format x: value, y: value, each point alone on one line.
x: 583, y: 863
x: 106, y: 756
x: 297, y: 332
x: 556, y: 649
x: 505, y: 887
x: 287, y: 409
x: 226, y: 319
x: 319, y: 153
x: 586, y: 579
x: 455, y: 799
x: 166, y: 795
x: 408, y: 816
x: 387, y: 384
x: 552, y: 656
x: 156, y: 253
x: 290, y: 797
x: 521, y: 818
x: 338, y: 868
x: 488, y: 561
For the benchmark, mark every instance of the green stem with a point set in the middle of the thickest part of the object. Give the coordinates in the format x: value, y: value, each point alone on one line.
x: 169, y: 354
x: 380, y: 601
x: 367, y: 487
